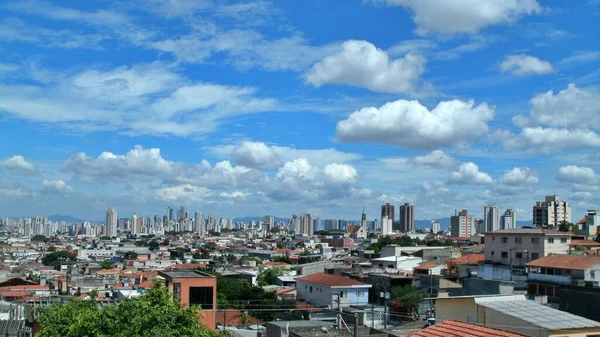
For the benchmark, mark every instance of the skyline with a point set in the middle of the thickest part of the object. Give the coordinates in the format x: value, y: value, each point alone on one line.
x: 252, y: 108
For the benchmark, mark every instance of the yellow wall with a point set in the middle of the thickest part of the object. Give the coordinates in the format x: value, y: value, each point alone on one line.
x: 576, y: 332
x: 461, y: 309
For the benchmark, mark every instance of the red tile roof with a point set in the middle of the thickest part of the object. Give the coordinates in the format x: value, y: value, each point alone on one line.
x: 330, y: 280
x: 573, y: 262
x: 452, y: 328
x: 14, y: 294
x: 584, y: 243
x: 426, y: 266
x: 468, y: 259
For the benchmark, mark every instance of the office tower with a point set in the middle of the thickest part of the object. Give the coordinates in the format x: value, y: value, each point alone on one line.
x: 198, y: 222
x: 551, y: 212
x: 111, y: 222
x: 491, y: 218
x: 508, y: 220
x: 407, y: 217
x: 165, y: 219
x: 435, y: 226
x: 388, y: 211
x: 170, y: 214
x: 461, y: 224
x: 181, y: 213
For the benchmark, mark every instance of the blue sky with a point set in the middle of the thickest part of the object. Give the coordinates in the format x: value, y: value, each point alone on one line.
x: 253, y: 108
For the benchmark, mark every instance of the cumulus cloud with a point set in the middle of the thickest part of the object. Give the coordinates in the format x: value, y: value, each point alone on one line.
x: 436, y: 158
x: 519, y: 176
x: 411, y: 125
x: 525, y: 65
x: 550, y: 139
x: 361, y: 64
x: 573, y: 107
x: 56, y: 186
x: 234, y: 195
x: 582, y: 196
x: 18, y: 165
x: 469, y: 174
x: 575, y: 174
x: 463, y: 16
x: 585, y: 187
x: 184, y: 193
x: 256, y: 155
x: 432, y: 188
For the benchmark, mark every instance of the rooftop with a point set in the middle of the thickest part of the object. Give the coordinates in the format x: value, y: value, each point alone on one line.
x: 427, y: 266
x: 530, y: 231
x: 462, y: 329
x: 331, y: 280
x: 573, y: 262
x: 184, y: 274
x: 537, y: 314
x: 585, y: 243
x: 469, y: 259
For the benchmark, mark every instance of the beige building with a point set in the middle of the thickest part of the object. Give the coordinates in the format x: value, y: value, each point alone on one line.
x: 515, y: 247
x: 462, y: 225
x: 515, y: 313
x: 551, y: 212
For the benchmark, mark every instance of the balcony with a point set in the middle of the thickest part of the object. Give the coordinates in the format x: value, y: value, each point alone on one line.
x: 553, y: 279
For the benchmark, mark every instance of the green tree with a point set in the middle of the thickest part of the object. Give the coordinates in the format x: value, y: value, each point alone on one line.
x: 57, y: 258
x: 565, y: 226
x: 39, y: 238
x: 408, y: 297
x: 266, y: 276
x: 106, y: 264
x: 153, y: 314
x: 130, y: 255
x: 153, y: 245
x: 285, y: 259
x: 166, y: 242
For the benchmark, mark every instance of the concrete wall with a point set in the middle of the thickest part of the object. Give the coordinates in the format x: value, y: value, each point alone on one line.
x: 183, y: 285
x: 477, y: 286
x: 461, y: 309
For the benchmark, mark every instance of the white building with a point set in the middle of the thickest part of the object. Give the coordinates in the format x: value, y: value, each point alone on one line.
x: 462, y: 225
x: 327, y: 290
x: 386, y: 225
x: 111, y: 223
x: 508, y: 220
x: 491, y: 218
x: 551, y: 212
x: 435, y: 226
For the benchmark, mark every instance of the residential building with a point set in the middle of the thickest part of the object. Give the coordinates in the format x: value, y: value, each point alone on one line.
x: 551, y: 212
x: 462, y: 329
x: 387, y: 225
x: 387, y: 210
x: 111, y: 223
x: 326, y: 290
x: 518, y: 246
x: 194, y: 288
x: 435, y: 226
x: 199, y: 223
x: 547, y: 274
x: 514, y: 313
x: 461, y: 224
x: 508, y: 220
x: 589, y: 227
x: 407, y: 217
x: 491, y: 218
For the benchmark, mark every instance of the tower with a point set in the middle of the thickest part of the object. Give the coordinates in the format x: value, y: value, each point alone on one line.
x: 407, y: 217
x: 111, y: 223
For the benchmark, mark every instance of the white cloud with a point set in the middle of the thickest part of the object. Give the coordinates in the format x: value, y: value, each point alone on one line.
x: 585, y: 187
x: 550, y: 139
x: 575, y: 174
x: 234, y: 195
x: 519, y: 176
x: 573, y: 107
x: 56, y: 186
x: 340, y: 173
x: 469, y: 174
x: 361, y: 64
x: 436, y: 158
x: 142, y: 99
x: 255, y: 155
x: 525, y: 65
x: 582, y: 196
x: 433, y: 188
x: 581, y: 56
x: 18, y: 165
x: 463, y: 16
x: 184, y: 193
x: 411, y: 125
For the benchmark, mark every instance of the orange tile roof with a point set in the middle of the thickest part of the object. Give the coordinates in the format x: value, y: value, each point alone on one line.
x: 584, y: 243
x: 573, y: 262
x: 452, y: 328
x: 330, y: 280
x: 14, y: 294
x: 275, y: 264
x: 284, y: 290
x: 468, y: 259
x: 426, y: 266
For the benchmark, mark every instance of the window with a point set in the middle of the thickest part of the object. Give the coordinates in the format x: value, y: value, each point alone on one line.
x: 310, y: 289
x: 535, y: 240
x: 342, y: 294
x: 550, y: 240
x: 518, y: 255
x: 493, y: 238
x: 563, y: 240
x: 535, y: 256
x: 492, y: 253
x: 518, y: 240
x: 360, y: 293
x: 504, y: 255
x: 592, y: 274
x: 202, y: 296
x: 504, y: 239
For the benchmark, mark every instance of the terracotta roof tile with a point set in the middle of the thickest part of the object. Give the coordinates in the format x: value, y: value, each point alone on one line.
x: 468, y: 259
x: 584, y: 243
x: 426, y: 266
x: 452, y: 328
x: 573, y: 262
x: 14, y: 294
x: 330, y: 280
x: 275, y: 264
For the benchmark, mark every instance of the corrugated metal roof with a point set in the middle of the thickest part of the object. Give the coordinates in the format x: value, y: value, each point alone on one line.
x: 504, y: 298
x: 542, y: 316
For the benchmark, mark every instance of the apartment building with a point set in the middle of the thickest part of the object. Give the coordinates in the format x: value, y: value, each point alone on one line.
x: 461, y: 224
x: 551, y: 212
x: 517, y: 246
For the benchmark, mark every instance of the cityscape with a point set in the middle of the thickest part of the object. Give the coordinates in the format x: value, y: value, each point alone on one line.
x: 308, y: 168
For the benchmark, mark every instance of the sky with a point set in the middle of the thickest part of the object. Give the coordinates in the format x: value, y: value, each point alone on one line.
x: 287, y: 107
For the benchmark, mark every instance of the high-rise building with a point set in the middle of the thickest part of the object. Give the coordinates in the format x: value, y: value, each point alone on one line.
x: 508, y: 220
x: 491, y: 218
x: 134, y: 224
x: 170, y: 214
x: 551, y: 212
x: 461, y: 224
x: 435, y: 226
x: 198, y: 222
x: 386, y: 225
x: 388, y: 210
x: 111, y: 222
x: 407, y: 217
x: 181, y: 213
